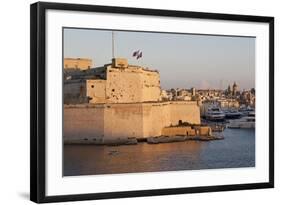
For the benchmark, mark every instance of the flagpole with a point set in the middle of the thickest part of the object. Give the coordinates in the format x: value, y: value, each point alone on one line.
x: 113, y: 56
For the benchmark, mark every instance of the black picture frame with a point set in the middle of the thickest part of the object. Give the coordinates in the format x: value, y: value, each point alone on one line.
x: 38, y: 101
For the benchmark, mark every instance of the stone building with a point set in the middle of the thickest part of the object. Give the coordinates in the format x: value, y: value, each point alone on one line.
x: 228, y: 103
x: 115, y: 83
x: 248, y: 97
x: 193, y: 91
x: 228, y: 91
x: 234, y: 89
x: 77, y: 63
x: 119, y: 101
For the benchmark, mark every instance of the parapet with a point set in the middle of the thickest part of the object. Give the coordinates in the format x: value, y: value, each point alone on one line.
x: 119, y: 63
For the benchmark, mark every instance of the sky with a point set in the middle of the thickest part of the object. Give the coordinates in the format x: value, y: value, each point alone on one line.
x: 183, y: 60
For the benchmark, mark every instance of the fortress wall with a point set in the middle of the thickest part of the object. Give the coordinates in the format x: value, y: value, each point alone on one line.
x: 123, y: 121
x: 155, y: 117
x: 133, y: 84
x: 74, y: 88
x: 150, y: 86
x: 172, y: 131
x: 83, y: 122
x: 113, y: 121
x: 123, y: 86
x: 96, y: 91
x: 78, y: 91
x: 74, y: 92
x: 186, y: 112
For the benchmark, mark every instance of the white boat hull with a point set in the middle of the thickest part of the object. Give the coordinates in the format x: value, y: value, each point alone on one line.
x: 215, y: 117
x: 242, y: 125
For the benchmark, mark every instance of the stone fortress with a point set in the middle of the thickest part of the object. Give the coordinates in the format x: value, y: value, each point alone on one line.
x: 117, y: 102
x: 114, y: 83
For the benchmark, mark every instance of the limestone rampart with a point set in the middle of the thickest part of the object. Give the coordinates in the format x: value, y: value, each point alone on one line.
x: 95, y: 122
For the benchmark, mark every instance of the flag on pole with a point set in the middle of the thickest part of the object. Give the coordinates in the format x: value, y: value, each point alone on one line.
x: 137, y: 54
x: 140, y: 55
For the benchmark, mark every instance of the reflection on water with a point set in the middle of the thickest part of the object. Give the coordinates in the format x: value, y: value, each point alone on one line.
x: 236, y: 150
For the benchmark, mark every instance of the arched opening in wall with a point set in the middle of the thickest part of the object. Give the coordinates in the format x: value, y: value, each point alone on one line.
x: 186, y: 133
x: 92, y: 86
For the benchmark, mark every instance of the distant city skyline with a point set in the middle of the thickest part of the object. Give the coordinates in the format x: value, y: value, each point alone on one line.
x: 183, y: 60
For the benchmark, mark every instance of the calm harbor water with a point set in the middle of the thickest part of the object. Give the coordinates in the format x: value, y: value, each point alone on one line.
x: 236, y: 150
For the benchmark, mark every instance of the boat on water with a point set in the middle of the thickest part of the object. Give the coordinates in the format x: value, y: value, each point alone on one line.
x: 246, y: 110
x: 217, y: 127
x: 215, y: 114
x: 232, y: 114
x: 244, y: 122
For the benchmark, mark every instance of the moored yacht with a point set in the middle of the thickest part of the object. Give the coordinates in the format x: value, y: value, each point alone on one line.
x: 246, y: 110
x: 245, y: 122
x: 232, y: 114
x: 215, y: 114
